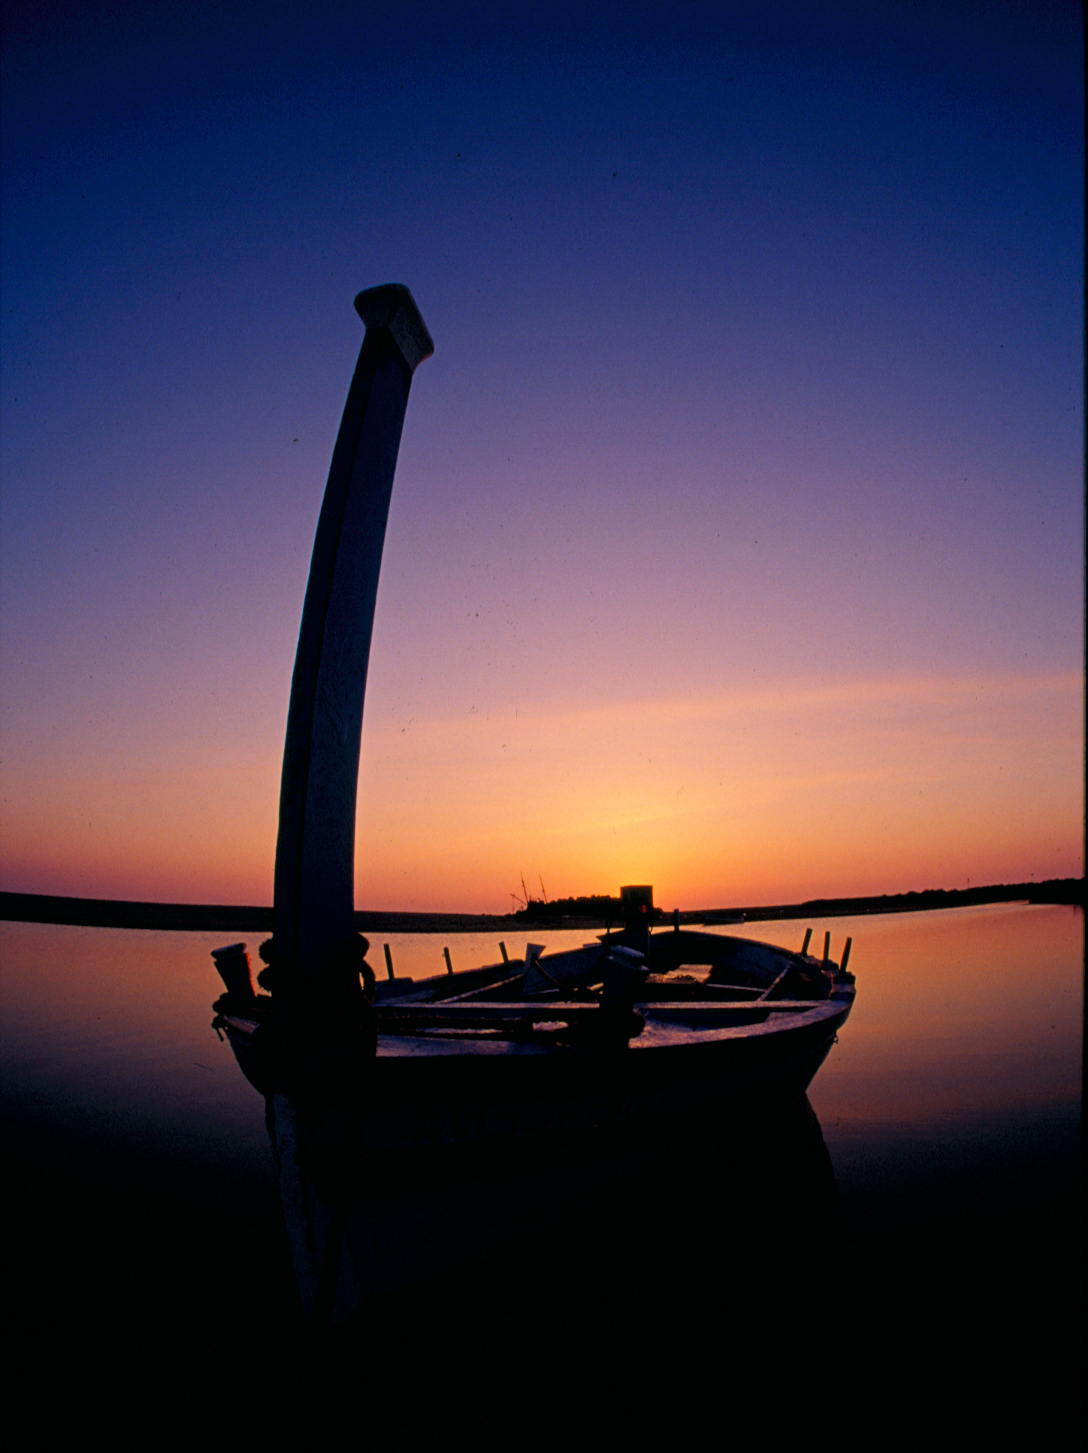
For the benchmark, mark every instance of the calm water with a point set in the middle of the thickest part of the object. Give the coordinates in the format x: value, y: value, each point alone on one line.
x: 144, y: 1190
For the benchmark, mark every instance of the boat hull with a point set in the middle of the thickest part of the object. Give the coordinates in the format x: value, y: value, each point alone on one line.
x: 428, y: 1091
x: 452, y: 1143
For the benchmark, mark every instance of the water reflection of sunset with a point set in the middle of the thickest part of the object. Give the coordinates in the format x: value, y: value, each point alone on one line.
x: 975, y: 1010
x: 965, y: 1011
x: 112, y: 1024
x: 949, y: 1107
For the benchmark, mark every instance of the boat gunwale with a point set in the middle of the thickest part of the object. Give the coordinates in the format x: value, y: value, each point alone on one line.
x: 655, y: 1037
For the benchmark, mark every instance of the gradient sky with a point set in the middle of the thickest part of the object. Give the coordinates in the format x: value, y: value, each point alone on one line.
x: 737, y: 538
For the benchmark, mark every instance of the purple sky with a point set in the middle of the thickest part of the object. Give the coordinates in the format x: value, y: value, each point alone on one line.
x: 758, y: 386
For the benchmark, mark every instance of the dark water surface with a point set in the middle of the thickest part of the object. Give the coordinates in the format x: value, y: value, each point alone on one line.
x: 910, y: 1235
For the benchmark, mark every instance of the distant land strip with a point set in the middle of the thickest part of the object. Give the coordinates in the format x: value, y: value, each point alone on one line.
x: 232, y: 918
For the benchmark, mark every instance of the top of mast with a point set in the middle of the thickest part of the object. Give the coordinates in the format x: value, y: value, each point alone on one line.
x: 315, y: 849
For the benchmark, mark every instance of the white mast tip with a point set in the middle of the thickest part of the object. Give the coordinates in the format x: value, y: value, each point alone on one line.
x: 392, y: 306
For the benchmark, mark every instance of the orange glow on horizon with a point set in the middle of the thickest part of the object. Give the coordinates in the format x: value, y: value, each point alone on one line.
x: 771, y: 797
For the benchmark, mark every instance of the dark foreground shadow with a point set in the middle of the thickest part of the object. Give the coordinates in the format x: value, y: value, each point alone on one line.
x: 710, y: 1240
x: 690, y: 1270
x: 151, y: 1269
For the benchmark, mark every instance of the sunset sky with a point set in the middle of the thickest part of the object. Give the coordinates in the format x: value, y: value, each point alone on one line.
x: 737, y: 538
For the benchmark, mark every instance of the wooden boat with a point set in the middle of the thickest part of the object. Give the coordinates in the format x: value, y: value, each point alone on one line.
x: 587, y: 1038
x: 363, y: 1079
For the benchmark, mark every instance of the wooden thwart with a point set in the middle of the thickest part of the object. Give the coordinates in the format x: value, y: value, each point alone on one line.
x: 406, y: 1018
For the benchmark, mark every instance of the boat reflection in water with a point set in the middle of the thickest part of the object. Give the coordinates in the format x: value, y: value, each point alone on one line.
x: 613, y: 1201
x: 423, y: 1123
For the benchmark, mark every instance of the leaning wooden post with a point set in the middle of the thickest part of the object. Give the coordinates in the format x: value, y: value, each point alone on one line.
x: 315, y: 852
x: 388, y: 960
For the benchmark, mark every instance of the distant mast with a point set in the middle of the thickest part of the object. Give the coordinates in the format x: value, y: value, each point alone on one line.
x: 315, y: 851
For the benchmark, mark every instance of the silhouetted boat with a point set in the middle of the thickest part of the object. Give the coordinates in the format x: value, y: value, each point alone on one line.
x: 588, y: 1037
x: 359, y: 1075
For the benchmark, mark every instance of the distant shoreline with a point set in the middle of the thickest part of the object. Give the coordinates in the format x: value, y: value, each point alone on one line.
x: 235, y: 918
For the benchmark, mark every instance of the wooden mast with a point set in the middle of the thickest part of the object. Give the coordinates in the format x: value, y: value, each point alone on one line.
x: 315, y: 850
